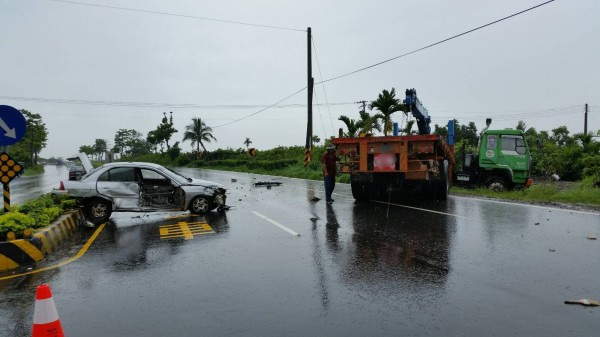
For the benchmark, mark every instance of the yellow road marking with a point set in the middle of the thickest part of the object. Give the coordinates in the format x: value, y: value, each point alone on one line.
x: 185, y: 230
x: 79, y: 254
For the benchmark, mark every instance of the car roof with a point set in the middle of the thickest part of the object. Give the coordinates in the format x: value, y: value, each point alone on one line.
x: 134, y: 164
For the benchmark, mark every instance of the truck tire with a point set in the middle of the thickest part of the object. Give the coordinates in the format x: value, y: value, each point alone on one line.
x: 496, y: 184
x: 360, y: 192
x: 443, y: 186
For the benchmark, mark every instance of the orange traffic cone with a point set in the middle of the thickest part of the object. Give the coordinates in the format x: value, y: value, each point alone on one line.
x: 45, y: 318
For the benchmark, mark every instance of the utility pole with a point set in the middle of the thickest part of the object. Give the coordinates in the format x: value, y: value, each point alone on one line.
x: 310, y: 80
x: 585, y: 120
x: 364, y: 105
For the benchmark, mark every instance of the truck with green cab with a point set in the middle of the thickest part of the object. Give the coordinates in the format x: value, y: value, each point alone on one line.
x: 502, y: 161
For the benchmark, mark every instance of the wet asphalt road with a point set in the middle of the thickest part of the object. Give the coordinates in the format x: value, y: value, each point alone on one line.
x: 464, y: 267
x: 29, y: 187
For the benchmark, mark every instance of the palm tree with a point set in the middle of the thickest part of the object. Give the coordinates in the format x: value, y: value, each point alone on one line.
x: 387, y: 104
x: 247, y: 142
x: 369, y: 123
x: 197, y: 132
x: 352, y: 125
x: 408, y: 128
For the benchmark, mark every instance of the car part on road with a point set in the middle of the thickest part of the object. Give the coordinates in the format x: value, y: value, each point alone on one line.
x: 267, y: 183
x: 585, y: 302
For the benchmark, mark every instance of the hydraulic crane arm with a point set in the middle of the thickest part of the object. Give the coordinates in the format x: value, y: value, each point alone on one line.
x: 418, y: 111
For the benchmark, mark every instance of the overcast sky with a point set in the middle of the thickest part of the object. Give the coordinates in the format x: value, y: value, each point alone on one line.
x: 541, y: 66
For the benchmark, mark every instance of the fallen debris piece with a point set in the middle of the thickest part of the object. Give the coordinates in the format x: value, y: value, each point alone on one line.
x: 267, y: 183
x: 584, y: 301
x: 591, y: 237
x: 537, y: 224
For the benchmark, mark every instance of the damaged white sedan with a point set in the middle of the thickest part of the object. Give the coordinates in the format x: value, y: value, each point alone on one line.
x: 141, y: 187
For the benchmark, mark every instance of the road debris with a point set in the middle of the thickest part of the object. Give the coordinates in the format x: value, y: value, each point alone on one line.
x: 267, y: 183
x: 584, y: 301
x: 591, y: 237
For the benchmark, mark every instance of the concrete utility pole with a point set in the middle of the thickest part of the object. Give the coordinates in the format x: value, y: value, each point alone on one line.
x: 364, y: 105
x: 585, y: 120
x: 310, y: 80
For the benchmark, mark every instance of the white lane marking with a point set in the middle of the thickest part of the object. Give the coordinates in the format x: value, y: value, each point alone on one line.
x: 527, y: 205
x: 275, y: 223
x: 419, y: 209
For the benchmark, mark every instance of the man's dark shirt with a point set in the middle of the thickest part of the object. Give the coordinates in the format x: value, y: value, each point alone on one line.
x: 328, y: 160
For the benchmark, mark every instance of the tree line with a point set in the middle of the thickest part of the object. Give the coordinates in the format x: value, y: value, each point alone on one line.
x: 130, y: 143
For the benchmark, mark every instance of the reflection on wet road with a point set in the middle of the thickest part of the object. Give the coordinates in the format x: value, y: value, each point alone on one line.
x: 29, y: 187
x: 403, y: 267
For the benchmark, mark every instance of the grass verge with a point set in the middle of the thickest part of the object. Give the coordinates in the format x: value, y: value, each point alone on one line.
x: 580, y: 193
x: 33, y: 170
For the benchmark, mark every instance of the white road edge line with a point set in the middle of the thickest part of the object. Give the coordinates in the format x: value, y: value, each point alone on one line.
x: 527, y: 205
x: 276, y: 223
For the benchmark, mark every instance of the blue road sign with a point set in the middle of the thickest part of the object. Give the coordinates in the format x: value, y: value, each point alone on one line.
x: 12, y: 125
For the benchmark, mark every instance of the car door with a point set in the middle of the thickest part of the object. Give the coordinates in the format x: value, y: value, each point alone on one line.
x: 158, y: 191
x: 121, y: 185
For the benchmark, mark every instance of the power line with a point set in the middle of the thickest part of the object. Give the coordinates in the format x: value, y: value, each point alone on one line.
x: 324, y: 92
x: 154, y: 105
x: 434, y: 44
x: 179, y: 15
x: 272, y: 105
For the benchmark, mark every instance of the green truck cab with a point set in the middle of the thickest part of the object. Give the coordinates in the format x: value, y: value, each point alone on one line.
x: 502, y: 162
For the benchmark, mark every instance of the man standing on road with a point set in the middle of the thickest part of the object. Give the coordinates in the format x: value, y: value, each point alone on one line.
x: 329, y: 171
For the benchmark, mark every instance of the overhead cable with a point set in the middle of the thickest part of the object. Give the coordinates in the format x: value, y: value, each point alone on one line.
x: 179, y: 15
x: 324, y: 91
x: 434, y: 44
x: 155, y: 105
x: 272, y: 105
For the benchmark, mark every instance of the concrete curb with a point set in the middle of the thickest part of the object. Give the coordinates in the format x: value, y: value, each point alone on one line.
x: 23, y: 252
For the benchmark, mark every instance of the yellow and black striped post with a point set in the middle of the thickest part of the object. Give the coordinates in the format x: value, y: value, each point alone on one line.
x: 307, y: 156
x: 6, y: 197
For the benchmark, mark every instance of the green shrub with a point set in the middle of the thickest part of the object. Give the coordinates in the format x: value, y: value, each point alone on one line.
x: 68, y: 204
x: 14, y: 222
x: 36, y: 213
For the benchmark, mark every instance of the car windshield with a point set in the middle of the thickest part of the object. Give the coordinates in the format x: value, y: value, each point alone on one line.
x: 180, y: 176
x: 175, y: 176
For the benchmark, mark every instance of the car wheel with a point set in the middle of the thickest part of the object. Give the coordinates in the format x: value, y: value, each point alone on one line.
x: 200, y: 205
x: 98, y: 211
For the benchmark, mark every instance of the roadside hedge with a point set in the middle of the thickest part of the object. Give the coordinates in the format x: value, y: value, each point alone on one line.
x: 36, y: 213
x: 249, y: 164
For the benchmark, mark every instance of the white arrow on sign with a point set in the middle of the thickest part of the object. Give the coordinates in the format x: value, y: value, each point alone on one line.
x: 11, y: 133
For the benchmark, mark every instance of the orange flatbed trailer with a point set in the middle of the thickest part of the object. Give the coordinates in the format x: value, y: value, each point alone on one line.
x: 422, y: 163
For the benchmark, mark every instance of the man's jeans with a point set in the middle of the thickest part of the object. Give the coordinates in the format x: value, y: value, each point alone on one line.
x: 329, y: 186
